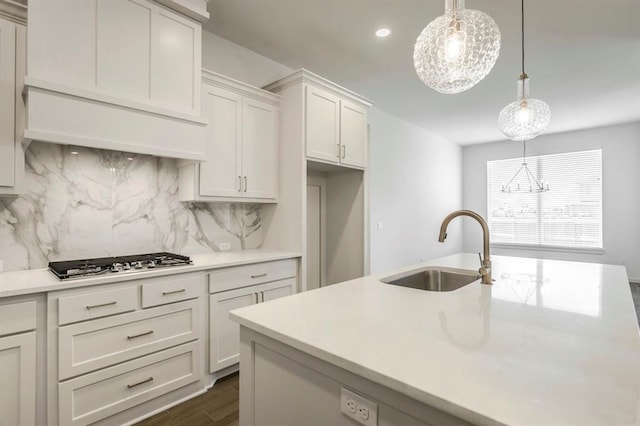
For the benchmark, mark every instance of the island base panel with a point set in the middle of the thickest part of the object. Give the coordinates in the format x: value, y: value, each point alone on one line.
x: 282, y: 385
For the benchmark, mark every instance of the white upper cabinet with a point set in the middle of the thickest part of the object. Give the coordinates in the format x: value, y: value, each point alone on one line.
x: 127, y: 72
x: 322, y: 129
x: 220, y: 175
x: 260, y: 149
x: 334, y: 118
x: 12, y: 69
x: 242, y: 143
x: 353, y: 134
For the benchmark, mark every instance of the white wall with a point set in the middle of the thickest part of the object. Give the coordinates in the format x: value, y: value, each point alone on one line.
x: 415, y: 181
x: 230, y: 59
x: 620, y: 188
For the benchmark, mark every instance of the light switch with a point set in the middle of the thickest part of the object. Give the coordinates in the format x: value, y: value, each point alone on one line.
x: 379, y: 226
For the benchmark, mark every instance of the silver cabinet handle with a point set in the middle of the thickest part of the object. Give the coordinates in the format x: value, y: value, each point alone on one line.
x: 344, y: 151
x: 101, y: 305
x: 257, y: 300
x: 135, y: 336
x: 245, y: 184
x: 339, y: 150
x: 150, y: 379
x: 239, y: 183
x: 167, y: 293
x: 262, y: 296
x: 259, y: 275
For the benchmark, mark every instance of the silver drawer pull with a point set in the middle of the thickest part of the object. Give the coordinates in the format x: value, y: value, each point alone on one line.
x: 166, y: 293
x: 150, y: 379
x: 259, y: 275
x: 101, y: 305
x: 146, y: 333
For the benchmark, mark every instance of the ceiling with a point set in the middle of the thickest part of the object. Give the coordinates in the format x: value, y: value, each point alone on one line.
x: 582, y: 57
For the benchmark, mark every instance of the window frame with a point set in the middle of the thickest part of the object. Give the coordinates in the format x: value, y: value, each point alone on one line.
x: 549, y: 247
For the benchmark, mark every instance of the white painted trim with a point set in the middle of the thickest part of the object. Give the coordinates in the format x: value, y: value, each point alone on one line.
x: 237, y: 86
x: 66, y: 139
x: 108, y: 99
x: 13, y: 11
x: 306, y: 76
x: 194, y: 9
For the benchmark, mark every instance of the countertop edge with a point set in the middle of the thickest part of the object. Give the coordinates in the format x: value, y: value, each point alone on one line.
x: 42, y: 281
x: 421, y: 396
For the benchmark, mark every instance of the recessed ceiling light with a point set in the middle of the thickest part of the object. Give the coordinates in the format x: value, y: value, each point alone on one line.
x: 383, y: 32
x: 74, y: 152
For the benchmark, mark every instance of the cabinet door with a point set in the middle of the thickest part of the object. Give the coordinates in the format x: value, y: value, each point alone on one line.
x: 277, y: 289
x: 220, y: 174
x: 353, y: 134
x: 7, y: 104
x: 260, y: 149
x: 322, y: 130
x: 224, y: 334
x: 18, y: 378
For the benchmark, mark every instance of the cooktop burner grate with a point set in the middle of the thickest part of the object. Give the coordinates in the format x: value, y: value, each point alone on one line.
x: 134, y: 263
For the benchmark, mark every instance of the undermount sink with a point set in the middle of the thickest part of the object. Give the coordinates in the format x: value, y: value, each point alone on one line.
x: 434, y: 278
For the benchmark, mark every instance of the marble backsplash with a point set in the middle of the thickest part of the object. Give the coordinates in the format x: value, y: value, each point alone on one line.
x: 99, y: 203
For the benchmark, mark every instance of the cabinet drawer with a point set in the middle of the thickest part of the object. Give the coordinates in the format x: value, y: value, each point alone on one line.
x: 97, y: 304
x: 88, y: 346
x: 98, y: 395
x: 17, y: 317
x: 171, y: 289
x: 242, y: 276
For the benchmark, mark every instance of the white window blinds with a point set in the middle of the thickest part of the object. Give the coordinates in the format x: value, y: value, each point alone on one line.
x: 568, y: 215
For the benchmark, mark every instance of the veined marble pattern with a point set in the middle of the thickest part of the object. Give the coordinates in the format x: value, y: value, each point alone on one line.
x: 105, y: 203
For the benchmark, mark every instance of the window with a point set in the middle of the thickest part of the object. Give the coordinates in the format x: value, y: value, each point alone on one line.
x: 568, y: 215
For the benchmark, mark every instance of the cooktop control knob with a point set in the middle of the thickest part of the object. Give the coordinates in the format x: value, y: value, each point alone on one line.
x: 151, y: 264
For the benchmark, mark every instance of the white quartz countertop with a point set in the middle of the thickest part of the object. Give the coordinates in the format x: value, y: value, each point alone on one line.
x: 549, y: 343
x: 41, y: 280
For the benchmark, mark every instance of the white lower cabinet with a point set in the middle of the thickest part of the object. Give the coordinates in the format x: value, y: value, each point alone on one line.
x: 98, y: 395
x: 18, y: 373
x: 18, y: 364
x: 113, y: 348
x: 224, y: 334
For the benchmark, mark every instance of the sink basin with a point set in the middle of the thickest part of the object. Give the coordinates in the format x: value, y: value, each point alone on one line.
x: 434, y: 278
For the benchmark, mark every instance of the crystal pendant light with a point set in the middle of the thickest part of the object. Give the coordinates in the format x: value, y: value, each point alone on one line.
x: 529, y: 182
x: 525, y: 118
x: 456, y: 50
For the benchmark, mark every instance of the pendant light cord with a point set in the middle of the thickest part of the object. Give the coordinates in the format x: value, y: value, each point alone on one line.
x: 522, y: 32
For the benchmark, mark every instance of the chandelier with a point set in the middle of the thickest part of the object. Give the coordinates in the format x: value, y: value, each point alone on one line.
x: 529, y: 182
x: 456, y: 50
x: 525, y: 118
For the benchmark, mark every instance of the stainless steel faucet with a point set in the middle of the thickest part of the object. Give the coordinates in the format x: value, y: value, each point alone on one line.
x: 485, y: 264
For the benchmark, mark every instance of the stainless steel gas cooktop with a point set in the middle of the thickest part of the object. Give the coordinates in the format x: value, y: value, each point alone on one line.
x: 121, y: 264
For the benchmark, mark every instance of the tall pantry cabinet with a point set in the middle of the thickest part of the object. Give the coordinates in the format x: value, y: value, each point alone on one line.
x: 323, y: 206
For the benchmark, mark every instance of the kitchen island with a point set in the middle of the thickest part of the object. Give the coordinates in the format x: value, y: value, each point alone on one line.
x: 550, y: 342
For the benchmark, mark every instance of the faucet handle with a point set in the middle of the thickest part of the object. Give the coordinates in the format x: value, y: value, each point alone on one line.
x: 480, y: 257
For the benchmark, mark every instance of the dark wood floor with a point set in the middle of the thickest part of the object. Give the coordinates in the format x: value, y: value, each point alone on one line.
x: 217, y: 407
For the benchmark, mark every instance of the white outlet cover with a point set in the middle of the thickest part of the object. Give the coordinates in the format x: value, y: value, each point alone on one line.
x: 362, y: 404
x: 224, y: 246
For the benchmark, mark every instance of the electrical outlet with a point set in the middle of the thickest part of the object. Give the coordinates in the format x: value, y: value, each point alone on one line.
x: 352, y: 406
x: 359, y: 408
x: 224, y: 246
